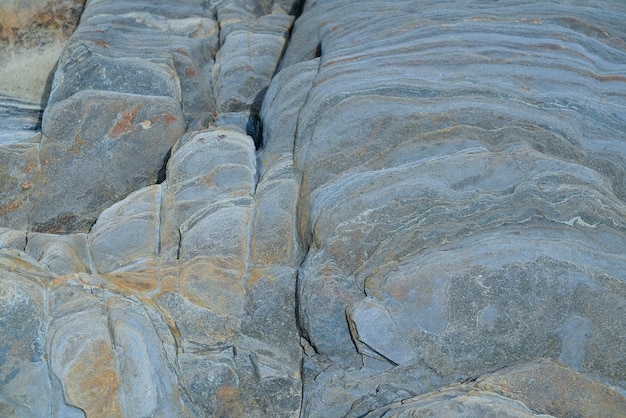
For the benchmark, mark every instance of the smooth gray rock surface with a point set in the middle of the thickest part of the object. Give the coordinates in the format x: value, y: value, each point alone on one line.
x: 460, y: 198
x: 251, y: 208
x: 96, y: 148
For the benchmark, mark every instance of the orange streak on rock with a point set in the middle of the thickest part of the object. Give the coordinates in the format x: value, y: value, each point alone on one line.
x: 11, y: 206
x: 101, y: 43
x: 169, y: 118
x: 92, y: 381
x: 140, y: 281
x: 125, y: 124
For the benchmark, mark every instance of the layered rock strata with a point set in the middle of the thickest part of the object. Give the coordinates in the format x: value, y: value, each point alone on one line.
x: 169, y: 301
x: 32, y: 34
x: 407, y: 209
x: 462, y: 194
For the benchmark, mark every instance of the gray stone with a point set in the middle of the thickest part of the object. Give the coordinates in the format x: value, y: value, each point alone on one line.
x: 63, y: 254
x: 549, y: 387
x: 454, y: 402
x: 24, y: 379
x: 112, y: 345
x: 376, y: 334
x: 126, y: 235
x: 321, y: 283
x: 97, y: 148
x: 281, y: 107
x: 19, y: 168
x: 123, y: 75
x: 433, y: 161
x: 21, y: 119
x: 268, y: 313
x: 11, y: 238
x: 243, y: 69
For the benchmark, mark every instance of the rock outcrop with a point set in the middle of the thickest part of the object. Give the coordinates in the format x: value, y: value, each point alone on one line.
x: 32, y: 34
x: 328, y: 209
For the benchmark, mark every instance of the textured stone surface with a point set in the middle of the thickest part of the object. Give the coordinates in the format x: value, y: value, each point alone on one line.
x: 32, y: 35
x: 23, y: 317
x: 459, y: 401
x: 96, y: 148
x: 549, y: 387
x: 389, y: 209
x: 452, y: 192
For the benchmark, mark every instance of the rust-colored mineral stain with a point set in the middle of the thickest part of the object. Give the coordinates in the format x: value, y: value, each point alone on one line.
x: 228, y: 400
x: 533, y: 21
x: 190, y: 72
x: 360, y: 152
x: 101, y: 43
x: 11, y: 206
x: 141, y: 281
x: 46, y: 18
x: 170, y: 282
x: 77, y: 145
x: 93, y: 368
x: 29, y: 166
x: 344, y: 60
x: 321, y: 81
x: 603, y: 78
x: 169, y: 118
x: 15, y: 204
x: 481, y: 19
x: 125, y: 124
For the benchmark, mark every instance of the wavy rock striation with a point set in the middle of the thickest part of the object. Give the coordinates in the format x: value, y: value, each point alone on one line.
x: 405, y: 210
x: 462, y: 195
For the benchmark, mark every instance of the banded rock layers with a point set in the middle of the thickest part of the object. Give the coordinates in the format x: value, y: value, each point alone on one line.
x: 156, y: 300
x: 389, y: 209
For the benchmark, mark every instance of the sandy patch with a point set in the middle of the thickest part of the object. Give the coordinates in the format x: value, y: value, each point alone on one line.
x: 28, y: 73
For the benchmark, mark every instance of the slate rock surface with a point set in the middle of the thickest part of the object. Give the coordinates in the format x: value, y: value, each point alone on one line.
x: 251, y: 208
x: 448, y: 171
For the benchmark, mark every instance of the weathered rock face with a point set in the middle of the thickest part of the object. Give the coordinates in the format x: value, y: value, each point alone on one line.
x: 405, y: 209
x: 32, y: 34
x: 462, y: 195
x: 174, y: 303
